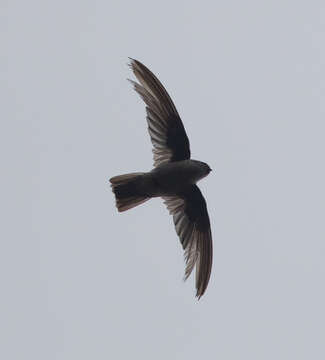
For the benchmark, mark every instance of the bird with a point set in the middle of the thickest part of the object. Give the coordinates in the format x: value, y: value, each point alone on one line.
x: 173, y: 177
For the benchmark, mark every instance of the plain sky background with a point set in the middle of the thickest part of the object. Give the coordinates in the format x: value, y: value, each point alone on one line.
x: 81, y: 281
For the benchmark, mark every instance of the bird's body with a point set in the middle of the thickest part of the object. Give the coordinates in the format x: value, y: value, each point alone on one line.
x: 168, y: 179
x: 173, y: 178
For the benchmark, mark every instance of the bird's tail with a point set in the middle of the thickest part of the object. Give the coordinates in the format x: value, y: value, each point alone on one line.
x: 126, y: 190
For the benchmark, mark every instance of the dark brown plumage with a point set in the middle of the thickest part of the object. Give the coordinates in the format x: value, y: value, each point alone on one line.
x: 173, y: 178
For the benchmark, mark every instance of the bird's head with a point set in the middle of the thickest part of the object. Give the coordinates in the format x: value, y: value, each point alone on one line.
x: 207, y: 168
x: 203, y: 169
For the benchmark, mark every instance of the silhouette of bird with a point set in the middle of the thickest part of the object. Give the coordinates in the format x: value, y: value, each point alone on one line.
x: 173, y: 177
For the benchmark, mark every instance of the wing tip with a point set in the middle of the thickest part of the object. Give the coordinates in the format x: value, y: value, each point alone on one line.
x: 133, y: 64
x: 133, y: 83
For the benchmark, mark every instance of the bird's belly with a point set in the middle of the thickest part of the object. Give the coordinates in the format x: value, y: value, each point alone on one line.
x: 172, y: 178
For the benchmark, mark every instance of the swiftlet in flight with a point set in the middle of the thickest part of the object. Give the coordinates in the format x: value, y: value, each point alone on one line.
x: 173, y: 177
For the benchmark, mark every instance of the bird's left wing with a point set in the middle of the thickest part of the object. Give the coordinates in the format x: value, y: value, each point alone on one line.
x: 192, y: 225
x: 167, y: 133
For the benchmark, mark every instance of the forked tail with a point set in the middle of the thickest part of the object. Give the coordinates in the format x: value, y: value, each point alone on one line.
x: 126, y: 190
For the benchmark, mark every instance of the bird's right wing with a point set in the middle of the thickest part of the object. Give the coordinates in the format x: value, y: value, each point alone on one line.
x: 167, y: 132
x: 192, y: 225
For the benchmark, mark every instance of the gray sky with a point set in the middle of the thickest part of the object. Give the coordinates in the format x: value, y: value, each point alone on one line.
x: 80, y: 281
